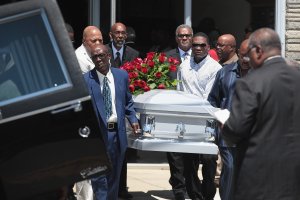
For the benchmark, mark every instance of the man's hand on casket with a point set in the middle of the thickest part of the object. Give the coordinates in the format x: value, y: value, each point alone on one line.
x: 136, y: 129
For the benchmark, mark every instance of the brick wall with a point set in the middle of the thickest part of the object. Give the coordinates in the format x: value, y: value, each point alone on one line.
x: 292, y: 37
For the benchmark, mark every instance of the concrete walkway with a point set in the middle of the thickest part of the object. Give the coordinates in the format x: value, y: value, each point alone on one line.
x: 148, y: 177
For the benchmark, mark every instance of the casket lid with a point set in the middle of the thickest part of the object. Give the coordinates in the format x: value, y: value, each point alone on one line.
x: 171, y: 100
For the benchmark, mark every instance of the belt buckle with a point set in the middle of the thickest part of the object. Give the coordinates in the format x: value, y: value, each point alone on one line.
x: 110, y: 125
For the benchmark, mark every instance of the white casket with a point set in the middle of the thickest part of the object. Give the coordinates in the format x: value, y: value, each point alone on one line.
x: 174, y: 121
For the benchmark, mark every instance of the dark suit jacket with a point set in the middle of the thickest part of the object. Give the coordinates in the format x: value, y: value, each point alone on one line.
x: 264, y: 123
x: 124, y: 103
x: 129, y: 54
x: 175, y: 54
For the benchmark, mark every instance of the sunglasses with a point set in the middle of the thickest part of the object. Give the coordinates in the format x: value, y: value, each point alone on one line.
x: 184, y: 35
x: 199, y: 45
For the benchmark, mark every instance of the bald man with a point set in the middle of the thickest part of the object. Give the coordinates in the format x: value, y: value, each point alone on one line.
x: 120, y: 52
x: 226, y: 49
x: 91, y: 36
x: 264, y: 123
x: 221, y: 97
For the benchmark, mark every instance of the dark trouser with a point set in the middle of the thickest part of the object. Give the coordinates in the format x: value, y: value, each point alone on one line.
x: 176, y: 180
x: 227, y: 173
x: 123, y: 177
x: 106, y: 187
x: 194, y: 187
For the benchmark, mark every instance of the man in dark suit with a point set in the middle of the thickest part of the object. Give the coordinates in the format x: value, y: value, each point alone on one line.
x: 120, y: 54
x: 264, y: 123
x: 112, y: 101
x: 183, y: 36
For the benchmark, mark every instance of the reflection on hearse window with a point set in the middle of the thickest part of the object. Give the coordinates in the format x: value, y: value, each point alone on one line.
x: 28, y: 61
x: 7, y: 87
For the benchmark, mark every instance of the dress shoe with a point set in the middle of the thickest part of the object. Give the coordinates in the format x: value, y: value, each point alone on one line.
x: 125, y: 195
x: 179, y: 196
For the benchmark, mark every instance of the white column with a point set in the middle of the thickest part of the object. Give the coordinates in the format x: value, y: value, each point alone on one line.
x: 94, y: 13
x: 112, y: 12
x: 280, y: 13
x: 188, y: 12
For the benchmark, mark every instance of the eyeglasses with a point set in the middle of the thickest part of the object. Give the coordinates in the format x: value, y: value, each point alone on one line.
x: 184, y: 35
x: 222, y: 45
x: 101, y: 56
x: 245, y: 58
x: 199, y: 45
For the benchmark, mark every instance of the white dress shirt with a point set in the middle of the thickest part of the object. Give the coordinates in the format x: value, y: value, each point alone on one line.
x: 111, y: 83
x: 182, y: 54
x: 198, y: 78
x: 84, y: 59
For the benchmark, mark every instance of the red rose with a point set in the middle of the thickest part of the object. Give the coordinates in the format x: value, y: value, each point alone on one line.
x: 142, y: 84
x: 144, y: 70
x: 150, y: 55
x: 146, y: 88
x: 135, y: 74
x: 151, y: 63
x: 137, y: 61
x: 138, y: 67
x: 161, y: 58
x: 158, y: 74
x: 161, y: 86
x: 172, y: 68
x: 131, y: 88
x: 137, y: 83
x: 173, y: 61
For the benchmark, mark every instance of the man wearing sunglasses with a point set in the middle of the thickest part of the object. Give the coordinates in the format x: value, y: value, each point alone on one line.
x: 197, y: 76
x: 183, y: 37
x: 221, y: 97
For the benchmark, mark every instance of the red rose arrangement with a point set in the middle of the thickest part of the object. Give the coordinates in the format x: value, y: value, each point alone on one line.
x: 151, y: 73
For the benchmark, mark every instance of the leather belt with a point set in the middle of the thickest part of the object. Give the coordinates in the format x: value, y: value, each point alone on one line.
x: 112, y: 126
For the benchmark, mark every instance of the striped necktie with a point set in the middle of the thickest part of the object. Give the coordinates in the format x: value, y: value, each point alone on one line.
x: 106, y: 93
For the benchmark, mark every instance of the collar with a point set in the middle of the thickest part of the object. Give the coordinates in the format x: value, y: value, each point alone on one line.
x: 109, y: 76
x: 272, y: 57
x: 115, y: 50
x: 233, y: 59
x: 181, y: 52
x: 86, y: 51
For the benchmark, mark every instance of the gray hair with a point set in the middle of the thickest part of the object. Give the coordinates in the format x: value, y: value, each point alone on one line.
x: 183, y: 26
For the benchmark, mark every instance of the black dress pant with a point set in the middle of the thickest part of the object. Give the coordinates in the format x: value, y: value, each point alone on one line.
x: 195, y: 188
x: 176, y: 180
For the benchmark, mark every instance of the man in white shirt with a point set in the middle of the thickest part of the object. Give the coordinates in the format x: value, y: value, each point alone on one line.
x: 196, y: 76
x: 91, y: 37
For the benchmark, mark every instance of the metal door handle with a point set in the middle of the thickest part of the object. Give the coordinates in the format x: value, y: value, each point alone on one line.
x: 76, y: 107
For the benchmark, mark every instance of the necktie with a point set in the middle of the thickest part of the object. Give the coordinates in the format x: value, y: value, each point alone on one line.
x: 185, y: 56
x: 118, y: 60
x: 107, y: 98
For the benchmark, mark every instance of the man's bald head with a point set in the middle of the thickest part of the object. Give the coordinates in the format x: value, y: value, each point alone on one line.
x: 116, y: 26
x: 263, y: 43
x: 265, y: 37
x: 91, y: 36
x: 226, y: 47
x: 228, y: 39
